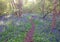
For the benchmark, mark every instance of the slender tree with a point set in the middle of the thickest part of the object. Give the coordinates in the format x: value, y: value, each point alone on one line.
x: 43, y: 6
x: 54, y: 14
x: 20, y: 4
x: 17, y: 6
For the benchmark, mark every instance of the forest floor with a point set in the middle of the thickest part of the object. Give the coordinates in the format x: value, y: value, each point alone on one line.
x: 14, y: 29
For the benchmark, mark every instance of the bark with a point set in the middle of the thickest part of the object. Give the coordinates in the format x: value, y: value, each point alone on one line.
x: 54, y: 14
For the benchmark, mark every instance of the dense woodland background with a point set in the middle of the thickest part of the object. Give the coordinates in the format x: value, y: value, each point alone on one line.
x: 35, y: 6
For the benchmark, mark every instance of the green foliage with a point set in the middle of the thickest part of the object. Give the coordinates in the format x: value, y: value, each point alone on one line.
x: 3, y: 7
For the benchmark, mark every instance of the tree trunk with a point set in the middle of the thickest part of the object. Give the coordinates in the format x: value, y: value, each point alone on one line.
x: 20, y: 3
x: 54, y: 14
x: 43, y: 6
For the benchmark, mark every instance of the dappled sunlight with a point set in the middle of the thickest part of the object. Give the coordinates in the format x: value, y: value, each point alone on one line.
x: 29, y: 3
x: 2, y: 23
x: 17, y: 23
x: 8, y: 22
x: 7, y: 16
x: 32, y: 1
